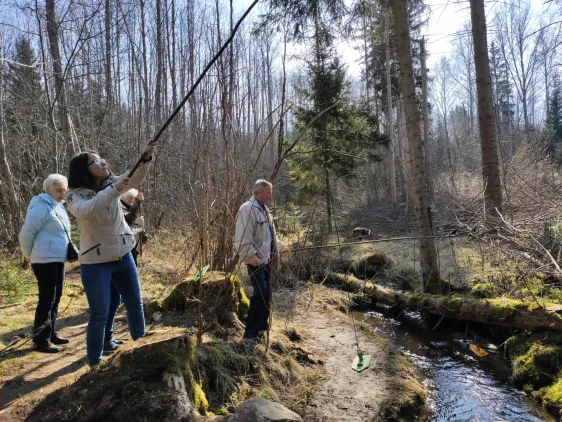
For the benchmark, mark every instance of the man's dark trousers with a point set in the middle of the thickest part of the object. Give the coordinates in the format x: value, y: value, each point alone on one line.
x: 258, y: 314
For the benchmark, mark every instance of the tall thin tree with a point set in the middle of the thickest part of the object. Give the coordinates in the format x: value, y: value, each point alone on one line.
x: 490, y: 161
x: 428, y: 253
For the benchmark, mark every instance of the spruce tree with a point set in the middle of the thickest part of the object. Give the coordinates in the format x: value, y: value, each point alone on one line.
x: 334, y: 138
x: 23, y: 92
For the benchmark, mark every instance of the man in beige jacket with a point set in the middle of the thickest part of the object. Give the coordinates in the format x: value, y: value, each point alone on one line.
x: 258, y: 246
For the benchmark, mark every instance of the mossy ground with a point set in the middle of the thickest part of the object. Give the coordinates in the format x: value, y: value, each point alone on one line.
x: 537, y: 366
x: 218, y: 376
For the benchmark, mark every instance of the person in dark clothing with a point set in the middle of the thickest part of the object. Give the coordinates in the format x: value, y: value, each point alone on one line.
x: 258, y: 247
x: 131, y: 202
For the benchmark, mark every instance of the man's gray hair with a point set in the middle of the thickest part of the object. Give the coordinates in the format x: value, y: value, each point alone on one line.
x: 54, y: 179
x: 261, y: 184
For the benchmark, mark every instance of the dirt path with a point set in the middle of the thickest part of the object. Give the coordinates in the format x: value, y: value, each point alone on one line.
x: 33, y: 375
x: 387, y: 388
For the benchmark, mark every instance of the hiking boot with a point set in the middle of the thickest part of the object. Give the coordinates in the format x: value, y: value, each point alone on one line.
x: 47, y: 347
x: 56, y: 339
x: 118, y: 342
x: 110, y: 346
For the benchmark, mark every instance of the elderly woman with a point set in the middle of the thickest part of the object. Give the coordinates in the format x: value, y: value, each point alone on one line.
x: 43, y: 239
x: 106, y: 241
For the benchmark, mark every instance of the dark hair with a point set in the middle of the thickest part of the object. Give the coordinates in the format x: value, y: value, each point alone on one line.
x: 79, y: 174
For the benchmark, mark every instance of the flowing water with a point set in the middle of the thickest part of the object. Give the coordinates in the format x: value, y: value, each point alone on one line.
x: 460, y: 386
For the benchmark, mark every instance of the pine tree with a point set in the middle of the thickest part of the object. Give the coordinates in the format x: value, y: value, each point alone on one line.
x: 25, y: 118
x: 24, y: 92
x: 334, y: 138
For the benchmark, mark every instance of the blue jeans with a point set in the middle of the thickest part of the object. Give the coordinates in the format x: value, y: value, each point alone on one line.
x: 114, y: 302
x: 97, y: 280
x: 258, y: 314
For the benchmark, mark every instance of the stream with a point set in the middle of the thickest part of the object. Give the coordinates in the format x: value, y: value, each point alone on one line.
x: 460, y: 386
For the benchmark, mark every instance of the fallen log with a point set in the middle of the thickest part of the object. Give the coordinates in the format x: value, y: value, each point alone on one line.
x: 501, y: 311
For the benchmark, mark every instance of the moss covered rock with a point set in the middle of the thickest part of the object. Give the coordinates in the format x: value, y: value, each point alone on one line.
x: 147, y: 383
x: 483, y: 290
x: 536, y: 361
x: 221, y: 294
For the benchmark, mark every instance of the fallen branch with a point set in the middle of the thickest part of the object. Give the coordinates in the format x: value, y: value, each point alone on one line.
x: 502, y: 312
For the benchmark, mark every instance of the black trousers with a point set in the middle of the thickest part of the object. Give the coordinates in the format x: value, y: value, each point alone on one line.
x: 50, y: 278
x: 258, y: 314
x: 135, y: 253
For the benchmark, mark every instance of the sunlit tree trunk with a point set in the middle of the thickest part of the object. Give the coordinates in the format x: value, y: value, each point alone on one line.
x: 490, y: 161
x: 390, y: 115
x: 428, y: 253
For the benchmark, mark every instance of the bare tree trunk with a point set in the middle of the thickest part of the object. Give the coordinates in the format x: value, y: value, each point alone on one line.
x: 108, y: 83
x: 145, y: 66
x: 60, y: 93
x: 425, y: 115
x: 406, y: 160
x: 281, y: 135
x: 389, y: 115
x: 159, y: 64
x: 490, y: 161
x: 428, y: 253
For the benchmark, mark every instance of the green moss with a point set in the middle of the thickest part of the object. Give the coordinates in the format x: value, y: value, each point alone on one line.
x: 516, y: 346
x: 551, y: 396
x: 483, y: 290
x: 243, y: 302
x: 537, y: 366
x: 536, y: 362
x: 512, y: 304
x: 199, y: 398
x: 221, y: 366
x: 219, y: 292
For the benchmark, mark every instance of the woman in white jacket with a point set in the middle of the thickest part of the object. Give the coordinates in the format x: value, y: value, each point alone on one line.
x: 44, y: 241
x: 105, y: 244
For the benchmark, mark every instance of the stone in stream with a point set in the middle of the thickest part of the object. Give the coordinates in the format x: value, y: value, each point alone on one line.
x: 262, y: 410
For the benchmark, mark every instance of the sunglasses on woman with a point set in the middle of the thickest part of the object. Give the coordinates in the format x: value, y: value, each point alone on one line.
x: 99, y: 161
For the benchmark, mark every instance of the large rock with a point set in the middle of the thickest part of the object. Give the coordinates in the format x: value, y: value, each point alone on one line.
x: 262, y: 410
x: 221, y: 296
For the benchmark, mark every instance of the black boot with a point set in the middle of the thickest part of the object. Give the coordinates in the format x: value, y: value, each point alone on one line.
x: 110, y: 346
x: 47, y: 347
x: 56, y: 339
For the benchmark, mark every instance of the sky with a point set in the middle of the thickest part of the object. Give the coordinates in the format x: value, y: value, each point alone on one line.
x: 446, y: 19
